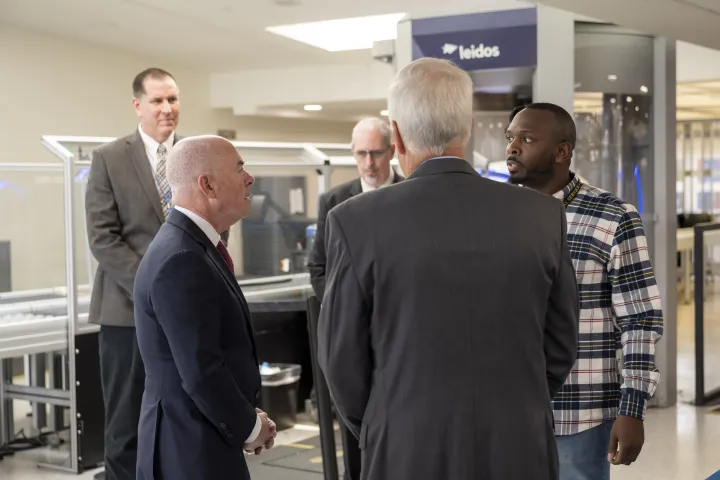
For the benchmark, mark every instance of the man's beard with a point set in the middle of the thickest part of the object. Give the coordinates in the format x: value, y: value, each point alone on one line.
x: 533, y: 178
x: 373, y: 179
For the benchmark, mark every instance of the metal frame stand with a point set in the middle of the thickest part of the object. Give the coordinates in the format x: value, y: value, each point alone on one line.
x: 72, y: 302
x: 324, y: 403
x: 701, y: 396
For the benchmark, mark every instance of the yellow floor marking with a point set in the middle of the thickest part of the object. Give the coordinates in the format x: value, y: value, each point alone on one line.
x: 317, y: 460
x: 300, y: 446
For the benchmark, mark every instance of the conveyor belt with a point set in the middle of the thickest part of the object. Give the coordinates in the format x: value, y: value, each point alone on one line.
x: 36, y: 321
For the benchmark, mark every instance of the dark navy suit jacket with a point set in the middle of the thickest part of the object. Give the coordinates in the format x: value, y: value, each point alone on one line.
x: 196, y: 340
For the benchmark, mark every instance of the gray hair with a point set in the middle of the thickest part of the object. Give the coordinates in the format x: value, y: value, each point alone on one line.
x: 431, y: 101
x: 374, y: 123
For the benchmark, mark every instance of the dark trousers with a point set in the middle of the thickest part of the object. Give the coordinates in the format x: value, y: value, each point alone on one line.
x: 351, y: 453
x: 123, y: 382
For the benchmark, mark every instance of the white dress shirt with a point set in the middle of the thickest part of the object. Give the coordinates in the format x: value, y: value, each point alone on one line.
x: 204, y: 225
x: 151, y: 146
x: 214, y: 237
x: 366, y: 187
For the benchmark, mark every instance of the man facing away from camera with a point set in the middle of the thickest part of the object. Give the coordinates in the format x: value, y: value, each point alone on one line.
x: 449, y: 318
x: 600, y: 410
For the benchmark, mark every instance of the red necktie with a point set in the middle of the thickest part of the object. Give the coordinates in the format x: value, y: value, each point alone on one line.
x: 226, y: 255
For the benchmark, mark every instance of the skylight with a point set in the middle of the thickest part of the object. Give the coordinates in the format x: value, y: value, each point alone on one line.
x: 342, y: 34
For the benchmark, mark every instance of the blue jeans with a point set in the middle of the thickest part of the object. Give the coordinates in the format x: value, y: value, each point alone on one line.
x: 584, y: 456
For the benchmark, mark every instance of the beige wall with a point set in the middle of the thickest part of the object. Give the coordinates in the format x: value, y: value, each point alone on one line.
x: 49, y: 85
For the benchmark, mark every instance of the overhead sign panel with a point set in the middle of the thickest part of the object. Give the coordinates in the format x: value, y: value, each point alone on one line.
x: 479, y: 41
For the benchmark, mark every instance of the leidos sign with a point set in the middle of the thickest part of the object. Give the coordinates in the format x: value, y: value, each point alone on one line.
x: 471, y: 52
x: 479, y: 41
x: 481, y: 51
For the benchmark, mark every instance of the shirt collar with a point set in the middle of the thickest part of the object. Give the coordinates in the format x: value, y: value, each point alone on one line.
x: 152, y: 144
x: 563, y: 194
x: 204, y: 225
x: 366, y: 187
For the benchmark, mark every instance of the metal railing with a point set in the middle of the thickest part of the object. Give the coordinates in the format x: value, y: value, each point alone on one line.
x: 702, y: 397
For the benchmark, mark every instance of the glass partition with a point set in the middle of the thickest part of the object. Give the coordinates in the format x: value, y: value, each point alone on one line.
x: 40, y: 206
x: 699, y: 339
x: 489, y: 145
x: 613, y: 114
x: 614, y: 147
x: 272, y: 239
x: 698, y: 166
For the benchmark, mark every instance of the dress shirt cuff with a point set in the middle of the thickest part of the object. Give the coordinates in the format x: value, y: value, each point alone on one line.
x: 255, y: 432
x: 633, y: 404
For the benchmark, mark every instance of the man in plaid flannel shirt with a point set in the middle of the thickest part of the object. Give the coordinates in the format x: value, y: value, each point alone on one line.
x: 600, y: 410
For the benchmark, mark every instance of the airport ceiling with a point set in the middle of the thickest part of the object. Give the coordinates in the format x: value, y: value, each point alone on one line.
x: 227, y: 35
x: 224, y: 35
x: 693, y: 21
x: 220, y: 35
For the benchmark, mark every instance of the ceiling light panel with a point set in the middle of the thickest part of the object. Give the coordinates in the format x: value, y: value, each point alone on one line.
x: 343, y: 34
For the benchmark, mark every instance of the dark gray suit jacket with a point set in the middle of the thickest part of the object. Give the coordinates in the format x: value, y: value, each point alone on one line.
x: 449, y: 321
x: 123, y: 215
x: 326, y: 202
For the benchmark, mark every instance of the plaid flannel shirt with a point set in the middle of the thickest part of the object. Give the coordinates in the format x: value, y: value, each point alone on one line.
x: 620, y: 313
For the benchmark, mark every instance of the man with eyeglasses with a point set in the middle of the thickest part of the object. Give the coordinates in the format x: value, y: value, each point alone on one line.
x: 373, y: 150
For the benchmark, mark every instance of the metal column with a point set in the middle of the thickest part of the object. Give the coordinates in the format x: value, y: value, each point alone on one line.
x: 664, y: 247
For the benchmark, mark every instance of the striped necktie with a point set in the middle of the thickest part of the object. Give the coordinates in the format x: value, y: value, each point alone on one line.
x: 161, y: 179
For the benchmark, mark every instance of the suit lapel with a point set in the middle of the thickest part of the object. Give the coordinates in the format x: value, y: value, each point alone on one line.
x: 220, y: 263
x: 182, y: 221
x: 355, y: 188
x: 136, y: 151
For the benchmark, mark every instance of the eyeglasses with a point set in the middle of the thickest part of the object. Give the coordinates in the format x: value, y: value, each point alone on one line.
x: 373, y: 153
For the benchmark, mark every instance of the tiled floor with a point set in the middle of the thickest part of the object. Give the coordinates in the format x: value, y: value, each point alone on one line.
x: 682, y: 442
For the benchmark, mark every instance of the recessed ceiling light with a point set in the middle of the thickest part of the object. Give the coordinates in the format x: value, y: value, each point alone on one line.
x: 384, y: 113
x: 342, y: 34
x: 644, y: 89
x: 313, y: 108
x: 612, y: 78
x: 629, y: 99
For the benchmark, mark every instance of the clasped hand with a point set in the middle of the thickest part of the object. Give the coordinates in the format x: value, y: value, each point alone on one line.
x: 266, y: 438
